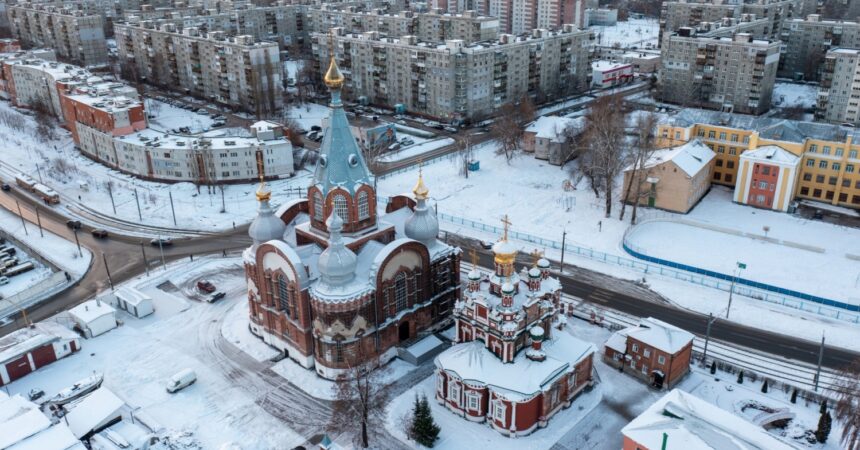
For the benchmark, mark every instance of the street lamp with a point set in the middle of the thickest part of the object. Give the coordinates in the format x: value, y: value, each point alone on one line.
x: 735, y: 274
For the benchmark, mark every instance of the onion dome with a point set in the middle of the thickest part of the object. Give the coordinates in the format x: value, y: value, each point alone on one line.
x: 507, y: 288
x: 534, y: 272
x: 333, y: 78
x: 336, y: 264
x: 505, y: 252
x: 474, y: 275
x: 543, y: 263
x: 536, y: 333
x: 422, y: 225
x: 266, y: 226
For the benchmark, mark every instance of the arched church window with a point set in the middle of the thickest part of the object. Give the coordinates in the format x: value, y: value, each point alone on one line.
x: 401, y: 293
x: 340, y: 207
x: 318, y: 206
x: 363, y: 205
x: 284, y: 295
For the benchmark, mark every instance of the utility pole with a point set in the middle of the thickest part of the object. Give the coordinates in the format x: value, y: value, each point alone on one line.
x: 171, y: 207
x: 107, y: 269
x: 39, y: 222
x: 820, y: 358
x: 145, y: 262
x: 137, y: 200
x: 21, y: 215
x: 563, y: 239
x: 223, y: 205
x: 161, y: 247
x: 735, y: 274
x: 711, y: 320
x: 110, y: 192
x: 80, y: 253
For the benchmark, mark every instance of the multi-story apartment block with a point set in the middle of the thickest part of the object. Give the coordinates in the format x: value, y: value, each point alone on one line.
x: 522, y: 16
x: 239, y: 72
x: 456, y: 80
x: 690, y: 13
x: 74, y: 34
x: 468, y: 27
x: 727, y: 73
x: 839, y: 92
x: 805, y: 42
x: 815, y: 161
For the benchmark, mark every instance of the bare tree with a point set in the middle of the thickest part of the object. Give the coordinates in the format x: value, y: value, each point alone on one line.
x: 847, y: 408
x: 603, y: 138
x: 360, y: 399
x: 642, y: 151
x: 508, y: 127
x: 465, y: 154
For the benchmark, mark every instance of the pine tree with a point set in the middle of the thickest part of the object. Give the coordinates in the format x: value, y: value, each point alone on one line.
x: 741, y: 377
x: 823, y: 407
x: 764, y: 386
x: 424, y: 429
x: 825, y: 422
x: 794, y: 396
x: 713, y: 368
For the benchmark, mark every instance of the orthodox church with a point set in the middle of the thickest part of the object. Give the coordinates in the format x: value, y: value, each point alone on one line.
x: 333, y: 284
x: 509, y: 368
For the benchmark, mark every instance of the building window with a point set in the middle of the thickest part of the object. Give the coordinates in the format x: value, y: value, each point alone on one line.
x: 836, y: 166
x: 839, y: 151
x: 810, y: 163
x: 717, y: 176
x: 363, y: 206
x: 813, y: 148
x: 400, y: 292
x: 722, y: 135
x: 712, y: 134
x: 832, y: 181
x: 318, y: 206
x: 733, y: 151
x: 822, y: 164
x: 852, y: 154
x: 807, y: 177
x: 746, y: 140
x: 816, y: 193
x: 661, y: 360
x: 759, y: 198
x: 721, y: 149
x: 849, y: 168
x: 284, y: 295
x: 646, y: 352
x: 826, y: 150
x: 440, y: 385
x: 635, y: 348
x: 719, y: 163
x: 340, y: 207
x: 762, y: 184
x: 728, y: 178
x: 644, y: 369
x: 819, y: 178
x: 472, y: 401
x: 730, y: 164
x: 734, y: 138
x: 454, y: 392
x: 804, y: 191
x: 700, y: 133
x: 765, y: 170
x: 499, y: 411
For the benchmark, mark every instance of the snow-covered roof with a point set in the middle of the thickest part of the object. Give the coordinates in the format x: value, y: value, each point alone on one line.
x: 121, y: 435
x: 57, y: 437
x: 91, y: 310
x: 21, y: 341
x: 20, y: 419
x: 617, y: 342
x: 771, y: 153
x: 166, y: 141
x: 608, y: 66
x: 95, y: 409
x: 768, y: 127
x: 524, y: 378
x: 692, y: 423
x: 657, y: 334
x: 551, y: 127
x: 691, y: 157
x: 132, y: 296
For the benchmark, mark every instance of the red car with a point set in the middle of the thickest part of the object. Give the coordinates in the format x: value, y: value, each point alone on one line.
x: 205, y: 286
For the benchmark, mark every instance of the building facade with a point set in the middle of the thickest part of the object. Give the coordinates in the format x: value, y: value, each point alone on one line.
x: 238, y: 72
x: 691, y: 13
x: 829, y: 166
x: 513, y: 366
x: 733, y: 74
x: 839, y: 91
x: 550, y: 138
x: 653, y: 351
x: 332, y: 284
x: 458, y: 80
x: 767, y: 177
x: 806, y: 41
x: 74, y: 34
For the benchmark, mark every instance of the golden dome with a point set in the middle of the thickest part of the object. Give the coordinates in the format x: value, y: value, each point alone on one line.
x: 420, y: 190
x: 263, y: 193
x: 333, y: 78
x: 504, y: 251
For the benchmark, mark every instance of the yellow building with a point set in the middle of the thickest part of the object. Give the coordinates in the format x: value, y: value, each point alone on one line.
x: 829, y: 166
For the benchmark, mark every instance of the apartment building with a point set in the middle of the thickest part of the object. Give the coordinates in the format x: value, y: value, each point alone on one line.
x: 726, y: 73
x: 839, y: 91
x: 468, y: 27
x: 238, y: 72
x: 75, y: 35
x: 806, y: 41
x: 456, y: 80
x: 828, y: 155
x: 690, y: 13
x: 522, y: 16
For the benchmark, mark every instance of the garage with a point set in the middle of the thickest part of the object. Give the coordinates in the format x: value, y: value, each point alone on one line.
x: 43, y: 356
x: 17, y: 368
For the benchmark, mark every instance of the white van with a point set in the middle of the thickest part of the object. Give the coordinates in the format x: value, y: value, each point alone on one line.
x: 181, y: 380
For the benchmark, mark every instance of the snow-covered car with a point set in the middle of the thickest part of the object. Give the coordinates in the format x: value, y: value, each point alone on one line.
x: 181, y: 380
x: 206, y: 286
x: 161, y: 241
x: 4, y: 280
x: 215, y: 297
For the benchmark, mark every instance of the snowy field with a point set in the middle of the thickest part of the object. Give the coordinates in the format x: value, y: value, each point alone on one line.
x: 308, y: 115
x: 787, y: 95
x: 169, y: 117
x: 632, y: 33
x: 138, y: 357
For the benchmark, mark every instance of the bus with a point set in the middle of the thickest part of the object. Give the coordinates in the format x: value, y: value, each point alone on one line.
x: 15, y: 270
x: 25, y: 182
x: 49, y: 195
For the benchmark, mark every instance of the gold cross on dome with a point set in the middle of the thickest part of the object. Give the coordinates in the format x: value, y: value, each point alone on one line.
x: 506, y: 223
x: 473, y: 255
x: 536, y: 255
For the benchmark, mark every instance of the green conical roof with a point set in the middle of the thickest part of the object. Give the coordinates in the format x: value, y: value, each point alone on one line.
x: 341, y: 163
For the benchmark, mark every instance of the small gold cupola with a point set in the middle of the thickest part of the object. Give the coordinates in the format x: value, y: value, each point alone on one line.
x: 420, y: 190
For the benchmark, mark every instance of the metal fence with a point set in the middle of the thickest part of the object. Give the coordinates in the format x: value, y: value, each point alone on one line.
x: 33, y: 295
x: 695, y: 276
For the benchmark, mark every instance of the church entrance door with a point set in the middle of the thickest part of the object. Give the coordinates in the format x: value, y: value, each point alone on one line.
x: 404, y: 331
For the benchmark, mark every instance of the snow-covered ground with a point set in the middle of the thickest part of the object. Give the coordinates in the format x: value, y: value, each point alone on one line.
x: 632, y: 33
x: 416, y: 149
x: 138, y: 357
x: 292, y: 67
x: 307, y: 115
x: 169, y: 117
x: 786, y: 95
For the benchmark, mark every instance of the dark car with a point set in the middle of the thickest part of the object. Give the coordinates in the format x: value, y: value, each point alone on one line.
x: 215, y: 297
x: 99, y: 233
x: 161, y: 241
x: 206, y: 286
x: 74, y: 224
x: 6, y: 187
x: 818, y: 214
x: 316, y: 128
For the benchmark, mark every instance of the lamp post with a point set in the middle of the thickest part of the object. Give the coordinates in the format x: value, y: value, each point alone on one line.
x: 735, y: 274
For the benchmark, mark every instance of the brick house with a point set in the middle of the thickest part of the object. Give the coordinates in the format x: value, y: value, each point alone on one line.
x: 653, y: 351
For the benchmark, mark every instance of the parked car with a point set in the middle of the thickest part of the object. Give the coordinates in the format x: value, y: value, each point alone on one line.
x: 74, y: 224
x: 6, y: 187
x: 818, y: 214
x: 316, y: 128
x: 218, y: 124
x: 206, y: 286
x: 401, y: 122
x: 4, y: 280
x: 215, y: 297
x: 161, y: 241
x: 36, y: 394
x: 451, y: 129
x: 99, y: 233
x: 182, y: 379
x: 486, y: 244
x: 203, y: 111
